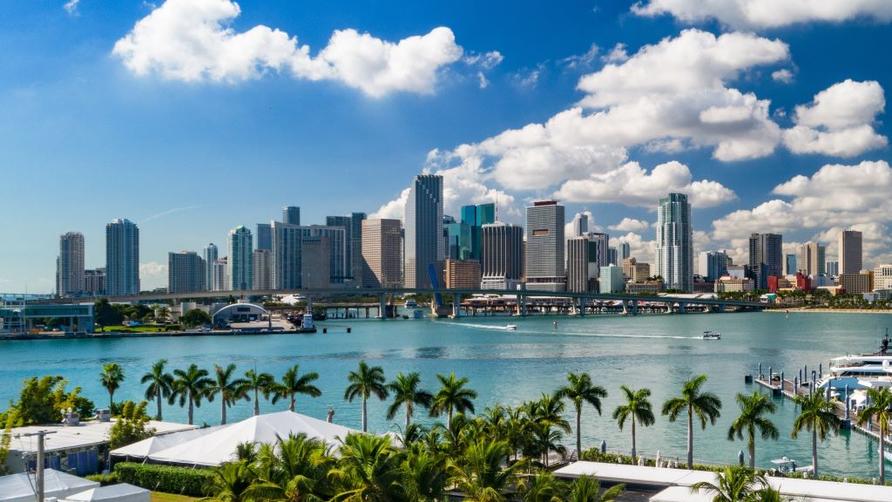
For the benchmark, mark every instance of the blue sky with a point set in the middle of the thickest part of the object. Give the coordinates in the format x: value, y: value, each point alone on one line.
x: 190, y: 133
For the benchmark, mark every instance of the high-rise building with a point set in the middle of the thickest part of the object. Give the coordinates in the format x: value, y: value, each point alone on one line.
x: 424, y: 244
x: 545, y: 246
x: 882, y: 277
x: 121, y: 258
x: 185, y: 272
x: 582, y: 264
x: 675, y: 251
x: 462, y: 274
x: 626, y: 249
x: 381, y: 256
x: 849, y: 252
x: 241, y: 259
x: 70, y: 265
x: 291, y: 215
x: 811, y: 259
x: 766, y: 257
x: 610, y: 280
x: 315, y: 261
x: 713, y: 264
x: 94, y: 282
x: 613, y: 256
x: 832, y: 268
x: 210, y: 255
x: 502, y: 266
x: 602, y: 249
x: 263, y: 272
x: 470, y: 229
x: 285, y: 255
x: 352, y: 226
x: 221, y: 272
x: 264, y: 236
x: 790, y: 264
x: 579, y: 225
x: 856, y: 283
x: 459, y: 239
x: 635, y: 271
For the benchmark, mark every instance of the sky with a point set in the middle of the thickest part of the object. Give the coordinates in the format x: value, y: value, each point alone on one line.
x: 191, y: 117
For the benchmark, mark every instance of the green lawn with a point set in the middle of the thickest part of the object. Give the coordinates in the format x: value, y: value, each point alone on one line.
x: 133, y: 329
x: 167, y: 497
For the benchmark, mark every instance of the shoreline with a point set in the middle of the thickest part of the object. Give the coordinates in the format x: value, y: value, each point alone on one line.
x: 824, y: 310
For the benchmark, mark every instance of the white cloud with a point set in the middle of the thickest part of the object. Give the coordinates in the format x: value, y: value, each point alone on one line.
x: 839, y: 121
x: 617, y: 54
x: 630, y: 225
x: 756, y: 14
x: 641, y: 249
x: 152, y: 270
x: 583, y: 60
x: 485, y: 60
x: 528, y: 78
x: 192, y: 41
x: 783, y: 76
x: 71, y: 7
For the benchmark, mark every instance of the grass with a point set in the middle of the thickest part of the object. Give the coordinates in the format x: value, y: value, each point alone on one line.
x: 169, y: 497
x: 134, y: 329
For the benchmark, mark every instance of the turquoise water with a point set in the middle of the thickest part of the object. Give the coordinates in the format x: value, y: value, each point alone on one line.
x: 658, y: 352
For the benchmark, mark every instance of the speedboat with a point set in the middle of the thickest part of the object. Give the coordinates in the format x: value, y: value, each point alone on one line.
x: 511, y: 327
x: 712, y: 335
x: 787, y: 465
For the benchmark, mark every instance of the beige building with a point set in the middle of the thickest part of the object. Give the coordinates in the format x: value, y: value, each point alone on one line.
x: 849, y: 252
x: 315, y: 262
x: 856, y: 283
x: 462, y: 274
x: 882, y: 277
x: 728, y: 284
x: 644, y: 287
x: 811, y: 259
x: 263, y: 269
x: 381, y: 253
x: 636, y: 271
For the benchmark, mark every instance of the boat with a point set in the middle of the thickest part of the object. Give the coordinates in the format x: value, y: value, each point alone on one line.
x: 511, y: 327
x: 785, y: 465
x: 712, y: 335
x: 410, y: 304
x: 860, y: 371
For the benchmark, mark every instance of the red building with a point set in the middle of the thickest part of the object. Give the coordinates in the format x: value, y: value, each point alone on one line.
x: 803, y: 282
x: 772, y: 284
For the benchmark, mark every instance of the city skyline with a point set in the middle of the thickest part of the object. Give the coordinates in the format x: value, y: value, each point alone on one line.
x: 159, y: 143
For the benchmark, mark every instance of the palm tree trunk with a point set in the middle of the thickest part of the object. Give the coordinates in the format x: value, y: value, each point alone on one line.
x: 449, y: 415
x: 111, y: 400
x: 751, y: 446
x: 293, y: 399
x: 365, y: 425
x: 408, y: 417
x: 578, y: 432
x: 882, y: 451
x: 814, y: 453
x: 191, y: 401
x: 256, y: 403
x: 634, y: 451
x: 158, y: 399
x: 222, y: 411
x: 690, y: 438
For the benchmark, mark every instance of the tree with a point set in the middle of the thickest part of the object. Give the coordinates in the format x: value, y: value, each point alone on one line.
x: 734, y: 484
x: 195, y: 317
x: 406, y: 392
x: 364, y: 382
x: 258, y: 383
x: 425, y: 474
x: 295, y: 470
x: 42, y: 401
x: 231, y: 481
x: 107, y: 315
x: 878, y: 410
x: 160, y: 384
x: 753, y: 409
x: 705, y: 405
x: 111, y: 377
x: 580, y: 390
x: 542, y: 487
x: 130, y: 425
x: 479, y: 473
x: 818, y: 415
x: 293, y: 383
x: 230, y: 390
x: 190, y: 386
x: 588, y: 489
x: 637, y: 408
x: 368, y: 470
x: 453, y: 396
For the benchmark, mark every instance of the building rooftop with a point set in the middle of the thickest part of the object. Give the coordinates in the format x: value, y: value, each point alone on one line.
x: 68, y: 437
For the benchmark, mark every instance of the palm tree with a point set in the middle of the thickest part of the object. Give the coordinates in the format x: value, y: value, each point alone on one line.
x: 368, y: 470
x: 581, y: 390
x: 588, y: 489
x: 542, y: 487
x: 453, y: 396
x: 478, y: 472
x: 230, y: 390
x: 406, y: 393
x: 817, y: 415
x: 160, y: 384
x: 753, y: 409
x: 638, y: 409
x: 425, y: 474
x: 734, y: 484
x: 296, y: 469
x: 190, y: 386
x: 230, y: 482
x: 111, y: 377
x: 879, y: 410
x: 258, y: 383
x: 293, y: 383
x: 705, y: 405
x: 364, y: 382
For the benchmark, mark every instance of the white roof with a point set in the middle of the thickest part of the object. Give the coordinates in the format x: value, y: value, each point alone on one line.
x: 813, y: 490
x: 635, y: 474
x: 112, y: 493
x: 220, y: 445
x: 67, y: 437
x: 154, y: 444
x: 682, y: 494
x: 20, y: 487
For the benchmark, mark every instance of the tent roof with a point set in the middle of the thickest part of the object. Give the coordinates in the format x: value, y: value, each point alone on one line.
x: 220, y: 445
x: 67, y: 437
x: 20, y: 487
x: 113, y: 493
x: 154, y: 444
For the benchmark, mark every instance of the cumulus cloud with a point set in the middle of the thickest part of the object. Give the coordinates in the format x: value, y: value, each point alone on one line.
x: 839, y: 121
x: 783, y: 76
x: 71, y: 7
x: 630, y: 225
x: 583, y: 60
x: 761, y: 14
x: 641, y: 249
x: 192, y: 41
x: 152, y: 270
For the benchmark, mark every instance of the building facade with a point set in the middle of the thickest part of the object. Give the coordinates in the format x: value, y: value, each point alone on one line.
x: 263, y: 272
x: 264, y: 237
x: 462, y: 274
x: 850, y: 252
x: 210, y: 255
x: 241, y: 259
x: 832, y: 268
x: 285, y: 255
x: 790, y: 267
x: 882, y: 277
x: 315, y: 262
x: 94, y: 282
x: 856, y: 283
x: 811, y: 259
x: 712, y: 264
x: 766, y: 258
x: 610, y: 280
x: 70, y: 265
x: 186, y: 272
x: 582, y: 264
x: 424, y: 245
x: 503, y: 261
x: 545, y: 247
x: 675, y: 251
x: 121, y: 258
x: 381, y: 253
x: 291, y: 215
x: 352, y: 226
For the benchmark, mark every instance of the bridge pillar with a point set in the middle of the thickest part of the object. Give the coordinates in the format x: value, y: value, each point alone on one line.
x: 521, y: 305
x: 634, y: 307
x: 625, y: 307
x: 456, y: 306
x: 382, y: 306
x: 580, y: 306
x: 681, y: 308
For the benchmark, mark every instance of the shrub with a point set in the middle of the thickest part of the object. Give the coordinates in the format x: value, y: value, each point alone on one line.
x: 104, y: 479
x: 165, y: 478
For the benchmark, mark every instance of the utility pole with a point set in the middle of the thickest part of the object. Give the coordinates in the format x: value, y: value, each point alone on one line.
x: 39, y: 475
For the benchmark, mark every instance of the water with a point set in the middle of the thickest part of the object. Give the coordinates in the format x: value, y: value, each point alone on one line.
x: 658, y: 352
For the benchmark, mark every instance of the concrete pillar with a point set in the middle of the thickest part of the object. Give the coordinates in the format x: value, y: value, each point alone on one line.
x: 580, y: 308
x: 634, y: 307
x: 382, y: 306
x: 681, y: 308
x: 456, y: 306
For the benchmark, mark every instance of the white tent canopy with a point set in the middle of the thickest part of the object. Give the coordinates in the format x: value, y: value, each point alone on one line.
x: 21, y: 487
x: 155, y: 444
x: 112, y: 493
x: 220, y: 445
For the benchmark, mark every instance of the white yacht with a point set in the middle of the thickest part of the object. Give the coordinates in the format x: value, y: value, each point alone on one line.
x: 511, y: 327
x: 860, y: 371
x: 712, y: 335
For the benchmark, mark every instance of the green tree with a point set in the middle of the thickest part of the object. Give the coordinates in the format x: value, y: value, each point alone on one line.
x: 195, y: 317
x: 580, y: 390
x: 588, y: 489
x: 818, y: 415
x: 10, y: 418
x: 43, y: 400
x: 368, y: 470
x: 231, y: 482
x: 878, y: 410
x: 130, y: 425
x: 364, y: 382
x: 542, y: 487
x: 296, y: 470
x: 734, y: 484
x: 637, y: 408
x: 160, y: 384
x: 106, y: 315
x: 425, y: 474
x: 111, y: 378
x: 706, y: 406
x: 231, y: 390
x: 406, y: 392
x: 753, y: 409
x: 259, y: 384
x: 453, y: 396
x: 479, y: 471
x: 190, y: 387
x: 293, y: 384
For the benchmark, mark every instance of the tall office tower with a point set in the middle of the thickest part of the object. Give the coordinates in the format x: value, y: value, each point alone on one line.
x: 472, y: 220
x: 832, y: 268
x: 352, y: 226
x: 502, y: 264
x: 582, y: 264
x: 766, y: 257
x: 579, y: 225
x: 285, y: 255
x: 241, y: 259
x: 291, y: 215
x: 675, y: 250
x: 210, y: 255
x: 424, y: 244
x: 545, y: 246
x: 790, y: 264
x: 626, y: 250
x: 459, y: 240
x: 315, y: 262
x: 713, y: 264
x: 381, y: 257
x: 70, y: 265
x: 264, y: 236
x: 811, y: 259
x: 121, y: 258
x: 185, y: 272
x: 221, y: 273
x: 336, y: 246
x: 850, y: 252
x: 94, y: 282
x: 263, y: 272
x: 613, y: 257
x: 602, y: 249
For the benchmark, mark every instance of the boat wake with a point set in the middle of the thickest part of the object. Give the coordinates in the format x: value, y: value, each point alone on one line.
x: 519, y: 330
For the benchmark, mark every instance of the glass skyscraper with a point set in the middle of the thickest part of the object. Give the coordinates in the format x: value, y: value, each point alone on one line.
x: 545, y: 246
x: 70, y: 265
x: 241, y: 259
x: 121, y: 258
x: 210, y: 254
x: 675, y: 250
x: 424, y: 244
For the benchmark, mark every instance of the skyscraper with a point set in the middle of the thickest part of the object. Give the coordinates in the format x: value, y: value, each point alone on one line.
x: 579, y: 224
x: 502, y: 265
x: 582, y: 264
x: 264, y: 236
x: 121, y: 258
x: 285, y: 255
x: 381, y: 257
x: 291, y: 215
x: 315, y: 262
x: 263, y: 278
x: 70, y: 265
x: 424, y: 245
x: 832, y: 268
x: 766, y: 257
x: 811, y: 259
x: 241, y: 259
x: 790, y: 264
x: 713, y: 264
x: 626, y: 250
x: 545, y: 246
x: 352, y: 226
x: 675, y: 251
x: 602, y: 249
x: 850, y: 252
x: 210, y: 255
x: 473, y: 218
x: 186, y: 272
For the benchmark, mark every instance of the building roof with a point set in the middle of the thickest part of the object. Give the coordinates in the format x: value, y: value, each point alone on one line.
x: 69, y: 437
x: 155, y: 444
x: 121, y: 492
x: 20, y: 487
